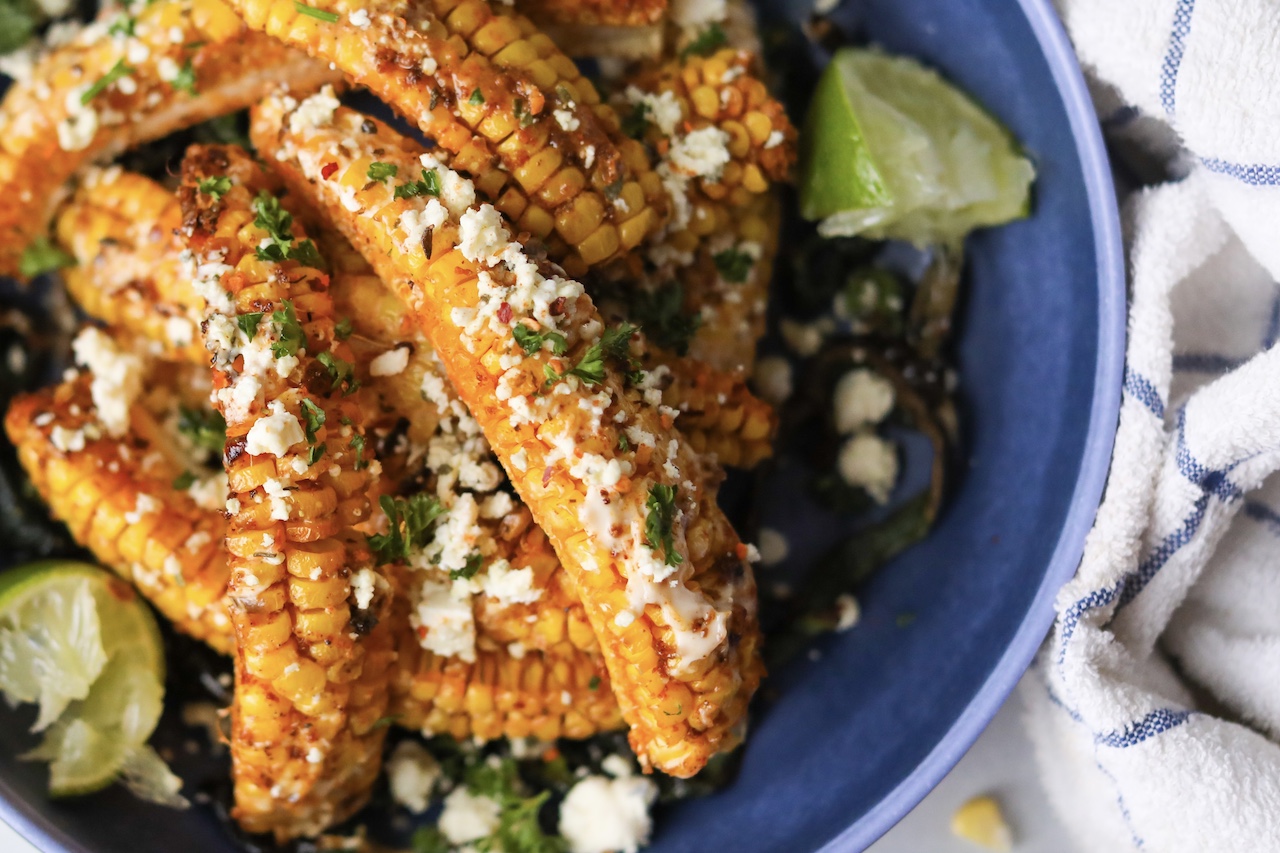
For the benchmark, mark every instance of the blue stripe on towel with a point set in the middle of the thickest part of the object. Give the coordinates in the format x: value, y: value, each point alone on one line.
x: 1255, y: 174
x: 1173, y: 58
x: 1154, y: 723
x: 1144, y: 391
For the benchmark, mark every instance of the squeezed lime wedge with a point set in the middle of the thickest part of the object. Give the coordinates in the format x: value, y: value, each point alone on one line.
x: 78, y: 642
x: 890, y: 150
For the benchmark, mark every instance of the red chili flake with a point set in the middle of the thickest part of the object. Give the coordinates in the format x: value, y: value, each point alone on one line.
x: 504, y: 313
x: 329, y: 169
x: 557, y: 307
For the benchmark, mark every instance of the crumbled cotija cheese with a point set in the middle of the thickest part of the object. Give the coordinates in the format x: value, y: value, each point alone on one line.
x: 274, y: 433
x: 316, y: 111
x: 773, y: 379
x: 467, y: 817
x: 702, y: 153
x: 448, y: 626
x: 861, y: 397
x: 510, y: 586
x: 773, y: 547
x: 868, y: 461
x: 603, y: 815
x: 662, y: 108
x: 390, y: 363
x: 117, y: 377
x: 412, y: 773
x: 363, y: 585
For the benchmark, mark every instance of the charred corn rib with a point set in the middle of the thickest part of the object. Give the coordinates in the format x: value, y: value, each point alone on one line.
x: 662, y: 575
x: 175, y: 63
x: 116, y: 495
x: 312, y: 664
x: 119, y: 228
x: 722, y: 238
x: 492, y: 90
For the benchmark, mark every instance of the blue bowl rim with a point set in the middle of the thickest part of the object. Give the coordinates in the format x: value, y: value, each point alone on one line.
x: 36, y: 827
x: 1095, y: 463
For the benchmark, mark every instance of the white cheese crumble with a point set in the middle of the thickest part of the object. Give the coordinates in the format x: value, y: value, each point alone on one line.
x: 279, y: 498
x: 449, y: 628
x: 603, y: 815
x: 360, y: 18
x: 510, y: 586
x: 363, y: 585
x: 412, y: 773
x: 274, y: 433
x: 776, y: 138
x: 847, y: 612
x: 315, y: 112
x: 773, y: 547
x: 67, y: 440
x: 467, y: 817
x: 773, y: 379
x: 805, y: 339
x: 661, y: 108
x: 702, y: 153
x: 868, y: 461
x: 566, y: 119
x: 77, y: 131
x: 390, y: 363
x: 117, y: 377
x: 861, y: 397
x: 144, y: 505
x: 314, y: 755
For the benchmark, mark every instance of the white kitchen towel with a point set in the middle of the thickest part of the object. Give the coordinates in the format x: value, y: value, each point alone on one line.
x: 1155, y: 704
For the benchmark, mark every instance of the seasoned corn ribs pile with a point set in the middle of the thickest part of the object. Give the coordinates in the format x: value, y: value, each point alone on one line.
x: 423, y: 430
x: 139, y: 72
x: 627, y: 504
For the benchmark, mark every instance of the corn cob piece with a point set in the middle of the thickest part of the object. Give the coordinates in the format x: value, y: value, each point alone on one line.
x: 661, y: 573
x: 116, y: 496
x: 176, y: 63
x: 723, y: 235
x: 312, y: 649
x: 492, y: 90
x: 618, y: 13
x: 119, y: 228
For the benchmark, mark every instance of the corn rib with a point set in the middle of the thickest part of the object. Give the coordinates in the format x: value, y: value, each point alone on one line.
x: 489, y: 88
x: 116, y: 496
x: 122, y: 81
x: 662, y: 575
x: 313, y: 649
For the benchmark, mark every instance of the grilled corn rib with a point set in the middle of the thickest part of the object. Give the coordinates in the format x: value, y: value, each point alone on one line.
x: 119, y: 228
x: 662, y: 575
x: 493, y: 91
x: 720, y: 244
x: 116, y: 496
x: 312, y: 651
x: 124, y: 80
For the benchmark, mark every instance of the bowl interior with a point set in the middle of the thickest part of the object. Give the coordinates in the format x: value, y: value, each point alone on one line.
x: 862, y: 733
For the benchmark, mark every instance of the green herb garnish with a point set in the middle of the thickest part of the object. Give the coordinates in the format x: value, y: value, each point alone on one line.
x: 357, y: 444
x: 183, y: 481
x: 342, y: 329
x: 271, y: 217
x: 341, y: 373
x: 428, y: 839
x: 216, y: 186
x: 248, y: 323
x: 313, y: 12
x: 477, y: 97
x: 117, y: 71
x: 661, y: 314
x: 614, y: 343
x: 205, y: 428
x: 636, y: 122
x: 594, y: 683
x: 707, y: 42
x: 519, y: 829
x: 41, y: 257
x: 521, y: 110
x: 661, y: 506
x: 379, y: 171
x: 468, y: 571
x: 429, y: 185
x: 314, y: 454
x: 314, y: 417
x: 186, y: 79
x: 292, y: 337
x: 734, y: 265
x: 531, y: 342
x: 123, y: 26
x: 410, y: 522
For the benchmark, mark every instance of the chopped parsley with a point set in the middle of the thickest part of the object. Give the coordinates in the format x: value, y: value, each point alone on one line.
x: 342, y: 329
x: 314, y: 417
x: 117, y: 71
x: 594, y: 683
x: 313, y: 12
x: 41, y: 257
x: 661, y: 506
x: 614, y: 343
x: 661, y: 314
x: 271, y: 217
x: 292, y: 337
x: 429, y: 839
x: 216, y: 186
x: 409, y: 525
x: 522, y: 113
x: 623, y: 444
x: 123, y: 26
x: 205, y: 428
x: 429, y: 185
x: 314, y: 454
x: 357, y: 444
x: 734, y: 265
x: 531, y: 342
x: 248, y: 323
x: 183, y: 481
x: 341, y: 373
x: 468, y: 571
x: 636, y: 122
x: 706, y: 43
x: 519, y: 829
x: 186, y: 79
x: 477, y: 97
x: 379, y: 171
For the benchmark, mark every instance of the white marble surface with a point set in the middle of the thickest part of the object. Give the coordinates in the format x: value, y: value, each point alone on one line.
x: 999, y: 763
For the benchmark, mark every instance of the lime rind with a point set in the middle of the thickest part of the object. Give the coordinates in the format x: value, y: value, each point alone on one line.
x: 51, y: 613
x: 943, y: 166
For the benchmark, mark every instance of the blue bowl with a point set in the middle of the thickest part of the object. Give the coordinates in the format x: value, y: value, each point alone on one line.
x: 861, y: 735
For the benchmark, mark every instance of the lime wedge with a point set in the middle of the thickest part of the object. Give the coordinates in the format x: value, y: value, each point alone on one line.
x: 78, y: 641
x: 890, y: 150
